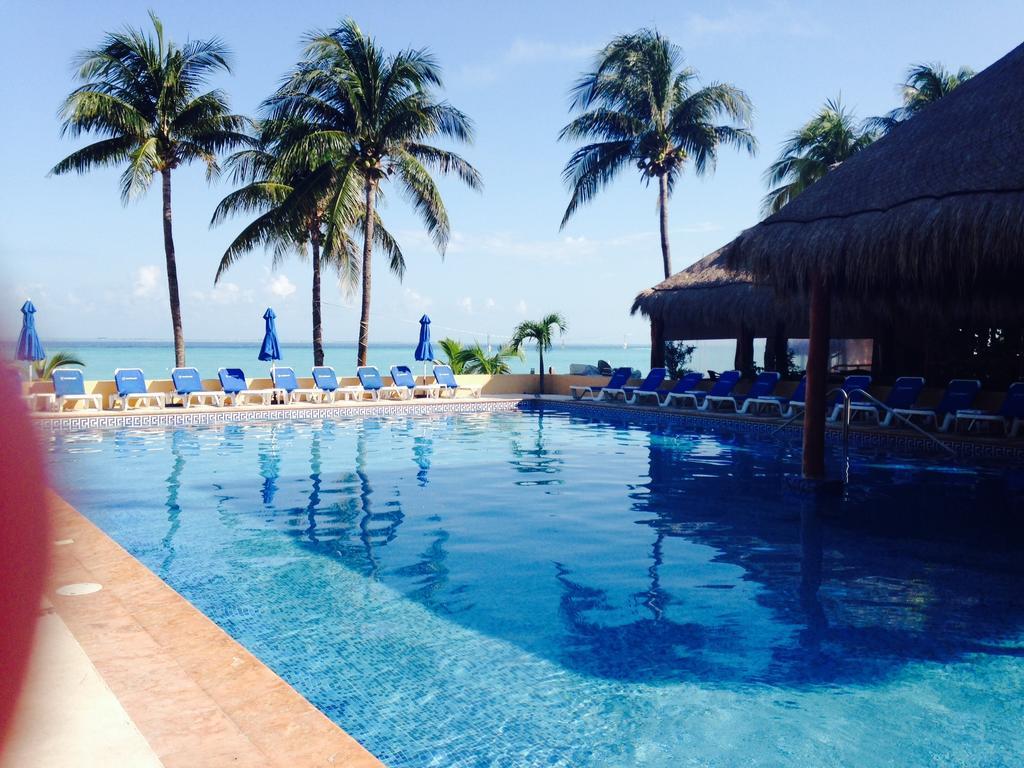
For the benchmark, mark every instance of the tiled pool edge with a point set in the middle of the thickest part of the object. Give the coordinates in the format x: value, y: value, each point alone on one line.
x: 196, y: 695
x: 966, y: 448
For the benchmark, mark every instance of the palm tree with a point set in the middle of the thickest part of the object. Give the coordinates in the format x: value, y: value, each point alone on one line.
x: 454, y: 354
x: 924, y: 84
x: 43, y: 369
x: 144, y: 95
x: 642, y: 107
x: 540, y: 332
x: 825, y: 141
x: 475, y: 359
x: 376, y: 112
x: 301, y: 200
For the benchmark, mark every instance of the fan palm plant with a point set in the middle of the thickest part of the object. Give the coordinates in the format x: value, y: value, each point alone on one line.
x: 924, y: 84
x: 301, y: 200
x: 541, y: 333
x: 377, y: 112
x: 43, y: 369
x: 144, y: 95
x: 826, y: 140
x: 640, y: 106
x: 475, y: 359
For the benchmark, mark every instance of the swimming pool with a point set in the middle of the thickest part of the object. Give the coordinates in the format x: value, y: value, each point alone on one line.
x: 550, y: 589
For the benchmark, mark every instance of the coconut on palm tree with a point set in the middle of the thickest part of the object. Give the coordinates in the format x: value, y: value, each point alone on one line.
x: 145, y: 96
x: 641, y: 107
x: 378, y: 112
x: 301, y: 200
x: 826, y: 140
x: 924, y: 85
x: 541, y: 333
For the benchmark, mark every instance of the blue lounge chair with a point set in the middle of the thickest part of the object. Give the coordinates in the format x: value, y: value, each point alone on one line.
x: 402, y: 376
x: 851, y: 384
x: 131, y: 389
x: 445, y: 379
x: 373, y: 385
x: 69, y: 387
x: 326, y: 380
x: 904, y: 394
x: 1010, y: 415
x: 763, y: 386
x: 779, y: 403
x: 284, y: 379
x: 650, y: 387
x: 687, y: 383
x: 959, y: 396
x: 232, y: 381
x: 618, y: 379
x: 722, y: 387
x: 188, y: 386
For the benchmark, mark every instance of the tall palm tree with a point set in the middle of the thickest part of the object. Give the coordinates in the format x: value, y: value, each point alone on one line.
x: 377, y: 111
x: 826, y: 140
x: 145, y: 96
x: 301, y: 200
x: 540, y: 332
x: 640, y: 106
x: 924, y: 84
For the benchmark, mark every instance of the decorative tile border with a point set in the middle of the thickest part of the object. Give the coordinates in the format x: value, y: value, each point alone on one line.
x: 900, y: 441
x: 182, y: 418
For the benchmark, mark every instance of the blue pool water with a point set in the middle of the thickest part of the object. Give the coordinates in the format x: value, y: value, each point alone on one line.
x: 544, y: 589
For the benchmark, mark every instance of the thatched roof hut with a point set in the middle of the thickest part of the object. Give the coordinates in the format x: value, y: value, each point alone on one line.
x: 934, y: 210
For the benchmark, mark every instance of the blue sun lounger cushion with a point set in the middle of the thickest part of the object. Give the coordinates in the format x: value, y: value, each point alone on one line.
x: 959, y: 396
x: 650, y: 387
x: 1010, y: 414
x: 131, y: 390
x: 188, y: 386
x: 402, y: 376
x: 617, y: 380
x: 687, y: 383
x: 373, y: 384
x: 284, y: 378
x: 904, y: 394
x: 763, y: 386
x: 782, y: 404
x: 232, y: 381
x: 851, y: 386
x: 69, y: 387
x: 445, y: 378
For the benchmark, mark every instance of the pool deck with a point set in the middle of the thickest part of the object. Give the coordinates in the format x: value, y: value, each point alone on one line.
x: 146, y: 679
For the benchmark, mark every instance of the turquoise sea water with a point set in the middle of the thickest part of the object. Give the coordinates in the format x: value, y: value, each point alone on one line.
x: 157, y: 358
x: 546, y: 589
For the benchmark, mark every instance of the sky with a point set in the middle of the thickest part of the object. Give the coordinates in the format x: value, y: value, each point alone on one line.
x: 95, y: 269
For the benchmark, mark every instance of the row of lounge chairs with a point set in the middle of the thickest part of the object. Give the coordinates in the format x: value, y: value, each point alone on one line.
x: 188, y: 389
x: 954, y: 410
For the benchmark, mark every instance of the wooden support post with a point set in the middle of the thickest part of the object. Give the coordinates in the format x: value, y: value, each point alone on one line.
x: 657, y: 343
x: 776, y: 350
x: 743, y: 360
x: 817, y: 380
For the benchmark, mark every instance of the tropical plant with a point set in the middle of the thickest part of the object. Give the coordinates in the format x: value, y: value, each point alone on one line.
x: 642, y: 107
x: 145, y: 96
x: 826, y: 140
x: 301, y: 199
x: 43, y: 369
x: 677, y: 358
x: 476, y: 359
x: 924, y: 84
x: 541, y: 333
x: 453, y: 354
x: 376, y: 112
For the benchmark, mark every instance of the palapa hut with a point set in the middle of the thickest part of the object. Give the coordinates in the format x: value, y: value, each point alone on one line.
x: 710, y: 300
x: 930, y: 216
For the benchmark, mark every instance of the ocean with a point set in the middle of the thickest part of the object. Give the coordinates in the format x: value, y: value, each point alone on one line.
x: 156, y: 358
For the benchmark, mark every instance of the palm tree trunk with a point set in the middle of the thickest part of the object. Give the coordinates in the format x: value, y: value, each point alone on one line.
x: 364, y: 315
x: 541, y: 369
x: 318, y: 331
x: 172, y: 273
x: 666, y: 256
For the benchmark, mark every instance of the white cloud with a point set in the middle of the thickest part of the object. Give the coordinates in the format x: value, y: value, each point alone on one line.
x: 780, y: 17
x: 416, y: 300
x: 146, y: 281
x: 224, y: 293
x: 490, y: 303
x: 281, y: 287
x: 521, y: 307
x: 467, y: 304
x: 542, y: 50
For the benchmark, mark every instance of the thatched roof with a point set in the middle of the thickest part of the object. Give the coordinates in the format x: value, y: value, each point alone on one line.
x: 936, y: 207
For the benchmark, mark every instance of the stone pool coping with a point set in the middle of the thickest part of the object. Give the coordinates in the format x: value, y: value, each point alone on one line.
x: 974, y: 446
x: 196, y: 695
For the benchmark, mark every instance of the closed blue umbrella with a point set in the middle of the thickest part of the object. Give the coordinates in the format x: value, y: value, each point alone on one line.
x: 30, y: 348
x: 271, y: 349
x: 424, y: 350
